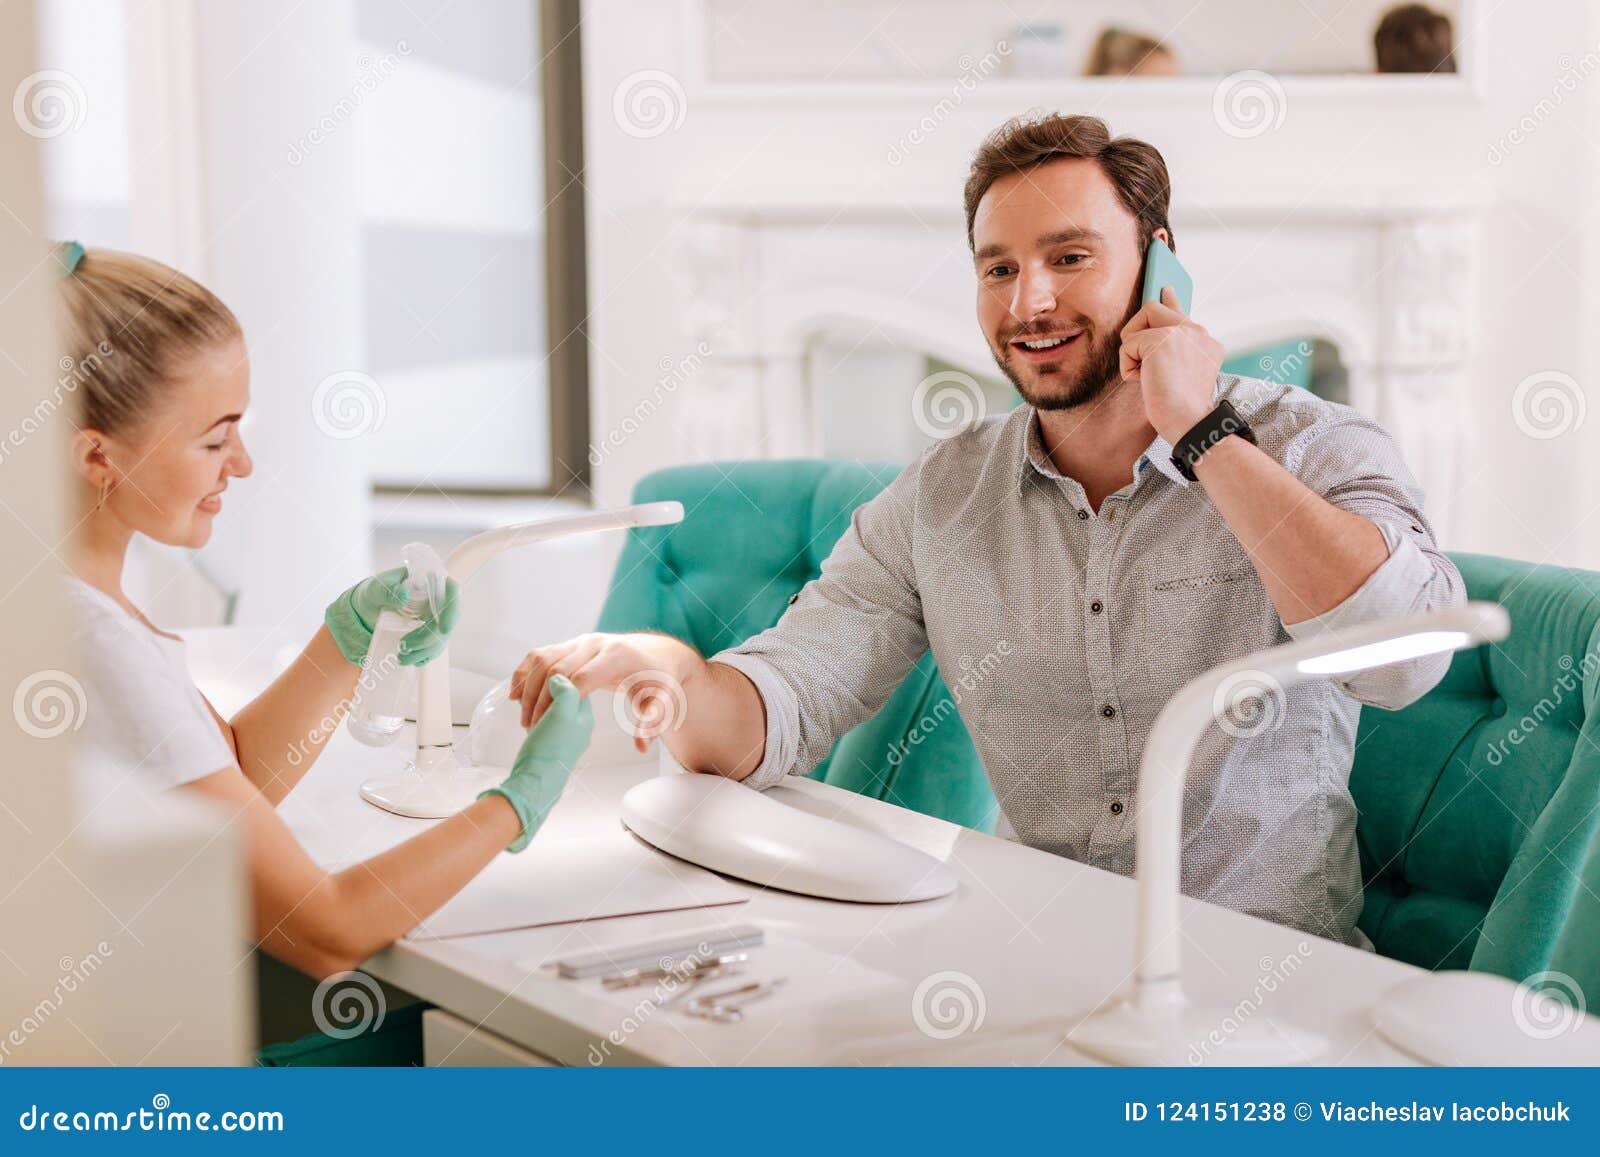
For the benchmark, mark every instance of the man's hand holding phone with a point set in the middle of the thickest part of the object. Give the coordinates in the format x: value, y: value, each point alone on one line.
x: 1173, y: 360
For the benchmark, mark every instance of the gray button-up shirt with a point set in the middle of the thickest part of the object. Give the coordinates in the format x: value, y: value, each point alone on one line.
x: 1062, y: 633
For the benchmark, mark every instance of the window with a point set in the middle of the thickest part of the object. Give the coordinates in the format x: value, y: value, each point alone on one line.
x: 458, y: 212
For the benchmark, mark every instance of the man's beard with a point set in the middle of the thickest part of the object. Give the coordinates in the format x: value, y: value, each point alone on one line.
x: 1101, y: 370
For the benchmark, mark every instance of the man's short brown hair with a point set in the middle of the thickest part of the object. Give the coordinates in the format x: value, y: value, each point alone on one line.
x: 1134, y: 167
x: 1414, y: 38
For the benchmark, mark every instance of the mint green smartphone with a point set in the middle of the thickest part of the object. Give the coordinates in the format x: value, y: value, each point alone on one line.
x: 1161, y: 268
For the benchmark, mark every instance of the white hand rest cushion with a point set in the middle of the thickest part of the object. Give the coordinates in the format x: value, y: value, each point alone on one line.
x: 1478, y: 1018
x: 720, y: 824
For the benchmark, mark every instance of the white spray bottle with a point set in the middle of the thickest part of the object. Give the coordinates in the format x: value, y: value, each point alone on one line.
x: 386, y: 689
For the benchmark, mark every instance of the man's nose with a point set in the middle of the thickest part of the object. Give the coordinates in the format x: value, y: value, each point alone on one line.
x: 1035, y: 294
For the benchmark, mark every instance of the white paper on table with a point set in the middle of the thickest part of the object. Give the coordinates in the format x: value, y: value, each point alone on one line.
x: 814, y: 978
x: 562, y: 881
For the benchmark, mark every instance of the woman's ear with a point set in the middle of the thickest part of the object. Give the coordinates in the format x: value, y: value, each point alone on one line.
x: 1163, y: 236
x: 89, y: 459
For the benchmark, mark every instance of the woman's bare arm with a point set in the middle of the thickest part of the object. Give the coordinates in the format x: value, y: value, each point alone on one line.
x: 325, y: 922
x: 278, y: 735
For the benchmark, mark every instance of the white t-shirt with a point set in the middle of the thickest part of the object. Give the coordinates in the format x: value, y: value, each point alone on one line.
x: 146, y: 727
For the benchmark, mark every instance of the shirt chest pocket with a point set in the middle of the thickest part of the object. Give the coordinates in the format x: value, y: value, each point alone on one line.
x: 1195, y: 618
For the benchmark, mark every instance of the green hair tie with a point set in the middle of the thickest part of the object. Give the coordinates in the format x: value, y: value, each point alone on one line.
x: 69, y: 253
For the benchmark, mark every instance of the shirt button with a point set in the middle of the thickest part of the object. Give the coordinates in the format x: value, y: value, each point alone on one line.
x: 1083, y: 516
x: 1096, y: 607
x: 1116, y: 807
x: 1108, y: 711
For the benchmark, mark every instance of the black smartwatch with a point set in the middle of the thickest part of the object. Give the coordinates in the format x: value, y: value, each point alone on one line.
x: 1206, y: 433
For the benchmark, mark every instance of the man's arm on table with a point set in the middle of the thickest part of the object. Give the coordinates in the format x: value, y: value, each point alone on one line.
x: 777, y: 702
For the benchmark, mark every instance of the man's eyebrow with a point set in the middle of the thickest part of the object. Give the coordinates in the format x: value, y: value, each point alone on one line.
x: 1060, y: 237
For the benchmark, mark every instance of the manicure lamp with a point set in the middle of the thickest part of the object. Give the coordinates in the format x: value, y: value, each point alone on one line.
x: 1155, y: 1023
x: 438, y: 784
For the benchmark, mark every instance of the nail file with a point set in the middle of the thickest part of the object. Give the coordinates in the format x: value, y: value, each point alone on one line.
x: 703, y: 944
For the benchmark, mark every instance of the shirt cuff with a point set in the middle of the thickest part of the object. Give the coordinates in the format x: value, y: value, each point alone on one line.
x: 1394, y: 589
x: 779, y: 702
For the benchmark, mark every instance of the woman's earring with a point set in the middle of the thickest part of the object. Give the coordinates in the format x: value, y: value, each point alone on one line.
x: 105, y: 488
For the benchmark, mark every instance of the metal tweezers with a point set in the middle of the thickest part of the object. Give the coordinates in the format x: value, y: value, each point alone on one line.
x: 727, y: 1006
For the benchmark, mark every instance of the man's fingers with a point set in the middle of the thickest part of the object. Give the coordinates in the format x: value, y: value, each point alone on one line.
x: 535, y: 671
x: 1139, y: 322
x: 1164, y: 312
x: 1153, y: 315
x: 577, y: 657
x: 648, y: 705
x: 1132, y: 353
x: 517, y: 676
x: 532, y: 688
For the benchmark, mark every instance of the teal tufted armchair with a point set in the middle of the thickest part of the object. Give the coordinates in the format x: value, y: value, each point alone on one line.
x: 1479, y: 804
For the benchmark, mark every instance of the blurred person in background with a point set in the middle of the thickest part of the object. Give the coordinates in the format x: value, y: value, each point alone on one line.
x: 1414, y: 38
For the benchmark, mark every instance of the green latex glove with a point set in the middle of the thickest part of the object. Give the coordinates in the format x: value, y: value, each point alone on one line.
x: 545, y: 760
x: 352, y: 616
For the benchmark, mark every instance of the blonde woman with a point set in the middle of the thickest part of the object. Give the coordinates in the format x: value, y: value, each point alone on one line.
x: 163, y: 382
x: 1119, y: 52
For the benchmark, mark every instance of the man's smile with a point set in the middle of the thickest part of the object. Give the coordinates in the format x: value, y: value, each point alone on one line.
x: 1040, y: 348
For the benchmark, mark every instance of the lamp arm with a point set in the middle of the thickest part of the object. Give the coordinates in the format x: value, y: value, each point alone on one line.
x: 1158, y: 833
x: 1164, y: 765
x: 465, y: 559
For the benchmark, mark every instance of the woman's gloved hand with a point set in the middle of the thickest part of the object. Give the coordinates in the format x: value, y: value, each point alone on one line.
x: 546, y: 758
x: 352, y: 616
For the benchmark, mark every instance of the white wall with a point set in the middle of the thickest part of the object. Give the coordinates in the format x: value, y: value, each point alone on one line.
x: 102, y: 958
x: 283, y: 248
x: 1526, y: 497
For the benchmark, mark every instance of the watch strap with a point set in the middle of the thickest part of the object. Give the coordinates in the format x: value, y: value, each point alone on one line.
x: 1223, y: 421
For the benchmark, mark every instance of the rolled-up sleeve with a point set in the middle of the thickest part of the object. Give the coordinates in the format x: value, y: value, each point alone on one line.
x: 845, y: 643
x: 1354, y: 464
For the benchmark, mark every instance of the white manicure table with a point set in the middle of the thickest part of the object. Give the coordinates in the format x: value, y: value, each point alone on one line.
x: 993, y: 974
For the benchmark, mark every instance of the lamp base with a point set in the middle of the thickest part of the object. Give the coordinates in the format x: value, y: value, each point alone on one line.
x: 436, y: 785
x: 1194, y: 1035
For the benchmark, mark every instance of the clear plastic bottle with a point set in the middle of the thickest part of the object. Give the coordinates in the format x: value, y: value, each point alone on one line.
x: 386, y: 689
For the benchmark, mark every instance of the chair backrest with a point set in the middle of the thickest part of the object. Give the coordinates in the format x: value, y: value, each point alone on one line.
x: 1480, y: 803
x: 753, y: 534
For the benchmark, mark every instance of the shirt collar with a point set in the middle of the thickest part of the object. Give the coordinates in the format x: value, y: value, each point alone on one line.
x: 1032, y: 458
